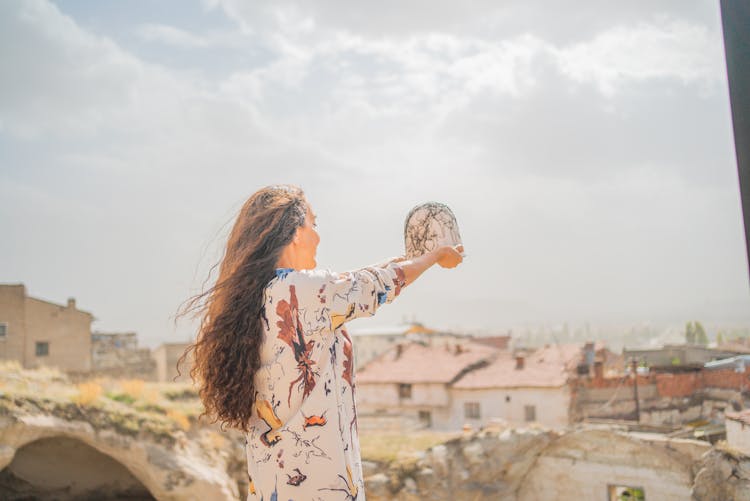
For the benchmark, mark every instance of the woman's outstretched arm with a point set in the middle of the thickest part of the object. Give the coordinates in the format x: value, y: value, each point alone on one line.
x: 447, y: 256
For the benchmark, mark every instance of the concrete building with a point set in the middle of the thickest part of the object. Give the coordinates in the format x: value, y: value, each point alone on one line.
x: 738, y: 430
x: 518, y: 388
x: 678, y: 358
x: 40, y: 333
x: 410, y: 382
x: 166, y: 356
x: 371, y: 342
x: 117, y: 354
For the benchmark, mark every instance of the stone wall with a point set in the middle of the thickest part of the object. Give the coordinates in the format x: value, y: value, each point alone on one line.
x: 63, y: 331
x: 534, y: 464
x: 723, y: 474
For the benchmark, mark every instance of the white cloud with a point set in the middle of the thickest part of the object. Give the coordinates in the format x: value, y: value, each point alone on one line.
x: 171, y: 36
x: 672, y: 50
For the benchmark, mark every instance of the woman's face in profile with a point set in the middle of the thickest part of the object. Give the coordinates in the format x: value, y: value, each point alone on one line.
x: 307, y: 245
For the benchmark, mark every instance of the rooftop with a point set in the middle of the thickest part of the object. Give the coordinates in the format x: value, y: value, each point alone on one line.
x: 397, y: 330
x: 438, y: 362
x: 550, y: 366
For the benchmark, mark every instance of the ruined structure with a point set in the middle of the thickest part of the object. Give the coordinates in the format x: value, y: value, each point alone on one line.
x: 535, y: 464
x: 116, y: 354
x: 50, y: 450
x: 39, y: 333
x: 166, y: 356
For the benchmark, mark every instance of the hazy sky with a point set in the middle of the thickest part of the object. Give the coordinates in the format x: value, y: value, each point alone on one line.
x: 585, y: 147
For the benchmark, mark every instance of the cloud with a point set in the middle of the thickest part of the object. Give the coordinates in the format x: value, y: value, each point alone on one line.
x: 171, y: 36
x: 621, y: 55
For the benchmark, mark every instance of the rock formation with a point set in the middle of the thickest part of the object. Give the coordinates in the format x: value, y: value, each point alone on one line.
x: 132, y: 455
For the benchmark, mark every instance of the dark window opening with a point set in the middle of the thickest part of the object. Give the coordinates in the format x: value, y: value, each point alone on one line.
x: 425, y: 417
x: 471, y: 410
x: 404, y: 390
x: 529, y: 412
x: 42, y: 348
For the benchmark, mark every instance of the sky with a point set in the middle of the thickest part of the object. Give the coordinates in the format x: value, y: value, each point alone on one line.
x: 586, y: 149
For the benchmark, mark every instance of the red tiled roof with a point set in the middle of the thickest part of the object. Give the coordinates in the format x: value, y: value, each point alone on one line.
x: 742, y: 416
x: 419, y: 363
x: 547, y: 367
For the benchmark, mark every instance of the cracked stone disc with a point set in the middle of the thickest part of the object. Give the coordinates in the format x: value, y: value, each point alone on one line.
x: 429, y: 226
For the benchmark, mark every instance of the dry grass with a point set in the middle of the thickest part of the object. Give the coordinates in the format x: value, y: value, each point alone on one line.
x: 180, y: 418
x: 215, y: 440
x: 133, y: 388
x: 174, y: 403
x: 391, y: 446
x: 88, y: 393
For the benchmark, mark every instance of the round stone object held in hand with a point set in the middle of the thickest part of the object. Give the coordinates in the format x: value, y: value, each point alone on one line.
x: 429, y: 226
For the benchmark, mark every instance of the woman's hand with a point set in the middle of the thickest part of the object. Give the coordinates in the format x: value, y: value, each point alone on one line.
x: 449, y: 256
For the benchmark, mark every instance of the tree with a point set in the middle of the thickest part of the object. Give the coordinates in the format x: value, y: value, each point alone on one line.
x: 719, y: 339
x: 700, y: 334
x: 689, y: 333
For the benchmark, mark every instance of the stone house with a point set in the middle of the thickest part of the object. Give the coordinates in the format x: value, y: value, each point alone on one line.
x: 116, y: 354
x: 410, y: 382
x: 166, y: 356
x: 678, y: 358
x: 40, y: 333
x: 738, y: 430
x: 518, y: 388
x: 370, y: 342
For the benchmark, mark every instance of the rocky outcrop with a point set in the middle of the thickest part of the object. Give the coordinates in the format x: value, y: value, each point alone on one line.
x: 722, y: 474
x: 490, y: 464
x: 535, y: 464
x: 157, y: 459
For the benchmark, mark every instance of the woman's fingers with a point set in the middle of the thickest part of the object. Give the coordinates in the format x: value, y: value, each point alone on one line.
x: 450, y: 257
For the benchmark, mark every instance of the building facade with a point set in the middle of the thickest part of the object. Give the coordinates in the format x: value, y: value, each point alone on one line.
x: 39, y: 333
x: 738, y: 430
x: 411, y: 381
x: 166, y: 356
x: 519, y: 388
x: 117, y: 354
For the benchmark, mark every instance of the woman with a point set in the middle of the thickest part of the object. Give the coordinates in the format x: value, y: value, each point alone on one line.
x: 272, y: 357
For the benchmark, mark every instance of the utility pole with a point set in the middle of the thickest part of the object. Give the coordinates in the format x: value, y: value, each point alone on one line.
x: 634, y: 365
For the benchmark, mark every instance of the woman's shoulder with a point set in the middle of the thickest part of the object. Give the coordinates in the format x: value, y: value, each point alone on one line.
x: 301, y: 278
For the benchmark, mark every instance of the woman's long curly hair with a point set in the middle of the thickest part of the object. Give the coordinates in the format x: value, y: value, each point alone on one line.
x: 226, y: 353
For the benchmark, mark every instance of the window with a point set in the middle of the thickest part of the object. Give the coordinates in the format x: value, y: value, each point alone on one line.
x: 530, y: 412
x: 471, y: 410
x: 425, y: 417
x: 42, y: 348
x: 3, y: 330
x: 625, y: 493
x: 404, y: 390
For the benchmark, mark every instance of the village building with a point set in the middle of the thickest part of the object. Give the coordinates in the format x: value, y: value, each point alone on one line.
x: 166, y: 356
x: 677, y: 358
x: 370, y: 342
x: 116, y: 354
x: 738, y: 430
x: 518, y: 388
x: 409, y: 384
x: 40, y: 333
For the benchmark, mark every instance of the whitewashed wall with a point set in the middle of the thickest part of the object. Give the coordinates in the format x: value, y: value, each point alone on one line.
x: 551, y: 404
x: 738, y: 435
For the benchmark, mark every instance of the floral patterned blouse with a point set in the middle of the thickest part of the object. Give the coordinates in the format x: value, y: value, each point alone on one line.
x: 302, y: 442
